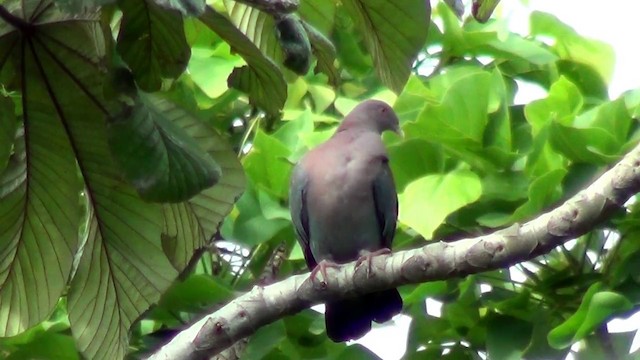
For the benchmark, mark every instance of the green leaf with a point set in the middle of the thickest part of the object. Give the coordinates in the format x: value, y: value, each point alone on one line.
x: 152, y: 42
x: 461, y: 117
x: 193, y: 295
x: 571, y: 46
x: 209, y: 69
x: 543, y: 191
x: 47, y: 345
x: 8, y: 126
x: 325, y: 52
x: 426, y: 202
x: 596, y: 307
x: 186, y: 7
x: 318, y: 13
x: 191, y: 224
x: 158, y: 158
x: 267, y: 166
x: 261, y: 79
x: 393, y: 41
x: 424, y: 158
x: 264, y: 340
x: 562, y: 105
x: 507, y: 337
x: 39, y: 188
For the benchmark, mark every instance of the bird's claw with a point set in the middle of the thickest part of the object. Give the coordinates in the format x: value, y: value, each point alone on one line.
x: 368, y: 257
x: 322, y: 269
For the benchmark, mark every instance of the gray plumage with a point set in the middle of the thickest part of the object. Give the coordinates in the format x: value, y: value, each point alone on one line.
x: 344, y: 204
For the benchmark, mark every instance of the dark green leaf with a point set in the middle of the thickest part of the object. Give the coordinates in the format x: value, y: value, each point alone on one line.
x: 152, y: 42
x: 186, y: 7
x: 157, y: 157
x: 261, y: 79
x: 8, y: 125
x: 393, y: 41
x: 507, y: 337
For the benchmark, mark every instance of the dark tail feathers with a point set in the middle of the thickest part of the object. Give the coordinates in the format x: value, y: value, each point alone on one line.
x: 351, y: 319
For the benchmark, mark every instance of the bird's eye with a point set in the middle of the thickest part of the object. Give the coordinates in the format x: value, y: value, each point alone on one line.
x: 383, y: 110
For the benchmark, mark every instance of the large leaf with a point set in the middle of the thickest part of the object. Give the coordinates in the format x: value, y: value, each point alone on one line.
x: 426, y: 202
x: 152, y: 42
x: 261, y: 79
x: 394, y: 41
x: 186, y: 7
x: 161, y: 161
x: 8, y: 124
x: 571, y: 46
x: 191, y: 224
x: 122, y: 269
x: 39, y: 190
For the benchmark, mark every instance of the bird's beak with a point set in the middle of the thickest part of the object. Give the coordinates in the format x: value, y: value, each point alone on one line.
x: 399, y: 131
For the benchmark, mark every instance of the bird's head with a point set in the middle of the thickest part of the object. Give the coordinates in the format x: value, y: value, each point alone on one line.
x: 372, y: 115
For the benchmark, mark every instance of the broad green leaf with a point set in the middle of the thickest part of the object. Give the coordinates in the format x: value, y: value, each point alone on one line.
x: 543, y: 192
x: 591, y: 145
x: 193, y: 295
x: 424, y: 158
x: 264, y: 340
x: 191, y: 224
x: 257, y: 26
x: 325, y: 53
x: 460, y: 119
x: 209, y: 69
x: 571, y: 46
x: 562, y: 105
x: 157, y: 157
x: 507, y: 337
x: 152, y: 42
x: 318, y: 13
x: 261, y: 79
x: 47, y: 345
x: 267, y: 166
x: 122, y: 269
x: 597, y: 306
x: 586, y: 78
x: 425, y: 203
x: 253, y: 226
x: 8, y: 125
x: 393, y: 41
x: 186, y: 7
x: 39, y: 188
x: 413, y: 99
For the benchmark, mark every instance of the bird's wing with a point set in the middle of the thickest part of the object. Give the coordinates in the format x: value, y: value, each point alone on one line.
x: 299, y: 212
x: 385, y: 200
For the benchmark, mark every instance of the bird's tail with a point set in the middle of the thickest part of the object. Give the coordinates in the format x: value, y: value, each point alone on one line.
x: 351, y: 318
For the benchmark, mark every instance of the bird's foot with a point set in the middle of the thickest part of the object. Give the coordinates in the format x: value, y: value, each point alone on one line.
x: 368, y: 257
x: 322, y: 269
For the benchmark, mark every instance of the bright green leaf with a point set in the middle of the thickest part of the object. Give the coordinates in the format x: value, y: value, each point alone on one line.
x: 426, y: 202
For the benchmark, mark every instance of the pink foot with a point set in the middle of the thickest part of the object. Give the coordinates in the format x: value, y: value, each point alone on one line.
x: 322, y: 268
x: 368, y: 257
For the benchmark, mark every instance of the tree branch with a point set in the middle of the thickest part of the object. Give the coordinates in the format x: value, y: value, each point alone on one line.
x: 436, y: 261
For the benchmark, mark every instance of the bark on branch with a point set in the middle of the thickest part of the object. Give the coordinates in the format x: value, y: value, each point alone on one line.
x: 436, y: 261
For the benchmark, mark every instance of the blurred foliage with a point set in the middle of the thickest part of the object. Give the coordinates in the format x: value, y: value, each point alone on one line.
x: 129, y: 130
